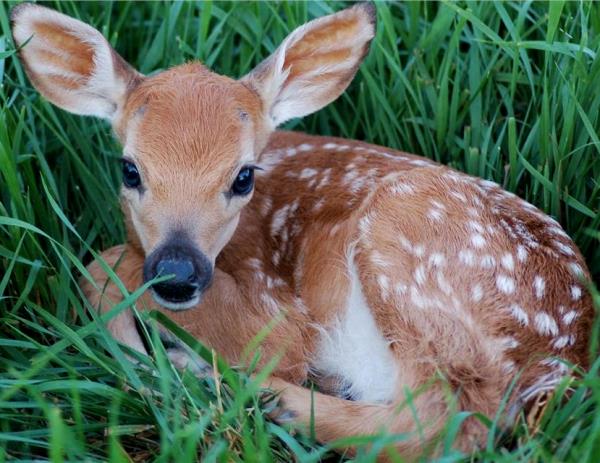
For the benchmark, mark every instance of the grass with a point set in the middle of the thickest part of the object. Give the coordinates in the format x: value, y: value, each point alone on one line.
x: 507, y: 91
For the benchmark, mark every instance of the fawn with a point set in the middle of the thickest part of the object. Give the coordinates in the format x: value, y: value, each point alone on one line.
x: 389, y: 272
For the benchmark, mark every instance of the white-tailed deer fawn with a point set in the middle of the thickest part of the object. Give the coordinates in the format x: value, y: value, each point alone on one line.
x: 389, y: 271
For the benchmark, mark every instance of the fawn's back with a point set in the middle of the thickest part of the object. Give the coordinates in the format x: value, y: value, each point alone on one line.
x: 438, y: 253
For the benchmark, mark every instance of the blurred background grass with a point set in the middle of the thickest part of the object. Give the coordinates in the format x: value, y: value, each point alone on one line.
x: 507, y: 91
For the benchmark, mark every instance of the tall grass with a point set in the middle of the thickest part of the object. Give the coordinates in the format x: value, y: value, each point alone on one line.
x: 508, y: 91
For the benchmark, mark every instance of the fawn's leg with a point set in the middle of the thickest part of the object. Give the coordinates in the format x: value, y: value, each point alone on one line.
x: 335, y: 418
x: 127, y: 264
x: 224, y: 320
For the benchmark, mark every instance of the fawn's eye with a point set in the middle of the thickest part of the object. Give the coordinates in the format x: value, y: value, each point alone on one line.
x: 243, y: 182
x: 131, y: 176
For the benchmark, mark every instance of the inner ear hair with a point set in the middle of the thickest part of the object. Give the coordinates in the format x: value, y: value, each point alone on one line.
x: 70, y: 62
x: 314, y: 64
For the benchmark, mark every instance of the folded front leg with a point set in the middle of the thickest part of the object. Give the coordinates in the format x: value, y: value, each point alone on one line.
x: 104, y: 293
x: 224, y: 320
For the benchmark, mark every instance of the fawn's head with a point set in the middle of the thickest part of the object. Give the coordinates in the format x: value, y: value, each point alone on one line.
x: 191, y: 138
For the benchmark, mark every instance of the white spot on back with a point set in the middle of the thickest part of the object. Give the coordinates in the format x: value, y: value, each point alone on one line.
x: 269, y: 303
x: 576, y: 269
x: 569, y: 317
x: 508, y: 229
x: 437, y: 260
x: 378, y: 260
x: 357, y: 184
x: 505, y: 284
x: 472, y: 212
x: 521, y: 253
x: 402, y: 188
x: 266, y: 206
x: 519, y: 314
x: 350, y: 176
x: 462, y: 198
x: 325, y: 178
x: 575, y: 292
x: 508, y: 367
x: 419, y: 250
x: 437, y: 204
x: 443, y: 283
x: 508, y: 262
x: 556, y: 228
x: 417, y: 298
x: 435, y: 214
x: 400, y: 289
x: 255, y: 263
x: 477, y: 240
x: 564, y: 248
x: 279, y: 219
x: 305, y: 147
x: 476, y: 293
x: 491, y: 230
x: 308, y: 172
x: 475, y: 226
x: 406, y: 244
x: 319, y: 204
x: 488, y: 261
x: 467, y: 257
x: 335, y: 228
x: 276, y: 258
x: 545, y: 324
x: 539, y: 286
x: 509, y: 342
x: 420, y: 274
x: 561, y: 342
x: 488, y: 184
x: 384, y: 283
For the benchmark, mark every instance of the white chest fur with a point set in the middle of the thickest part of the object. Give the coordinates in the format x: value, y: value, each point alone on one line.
x: 354, y: 350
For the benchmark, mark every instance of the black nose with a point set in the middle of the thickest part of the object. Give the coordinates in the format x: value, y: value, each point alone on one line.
x: 190, y: 270
x: 184, y: 283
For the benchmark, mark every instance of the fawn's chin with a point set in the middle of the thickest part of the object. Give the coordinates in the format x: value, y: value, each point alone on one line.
x: 177, y: 306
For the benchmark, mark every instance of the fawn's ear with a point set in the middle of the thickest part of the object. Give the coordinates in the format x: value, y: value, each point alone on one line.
x: 71, y: 63
x: 314, y: 64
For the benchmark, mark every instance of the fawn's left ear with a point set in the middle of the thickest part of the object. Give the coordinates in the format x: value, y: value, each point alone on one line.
x: 71, y: 63
x: 314, y: 64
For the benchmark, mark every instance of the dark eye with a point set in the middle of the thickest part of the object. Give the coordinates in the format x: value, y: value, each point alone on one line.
x: 244, y: 182
x: 131, y: 176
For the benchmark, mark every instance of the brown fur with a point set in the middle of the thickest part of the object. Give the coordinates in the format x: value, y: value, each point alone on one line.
x: 468, y: 286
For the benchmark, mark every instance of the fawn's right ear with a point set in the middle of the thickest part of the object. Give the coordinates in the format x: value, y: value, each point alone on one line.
x: 71, y: 63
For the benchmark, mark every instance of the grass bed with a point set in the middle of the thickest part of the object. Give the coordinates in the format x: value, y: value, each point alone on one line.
x: 506, y: 91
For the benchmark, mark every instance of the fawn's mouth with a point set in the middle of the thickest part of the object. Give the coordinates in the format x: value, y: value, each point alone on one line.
x: 177, y: 305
